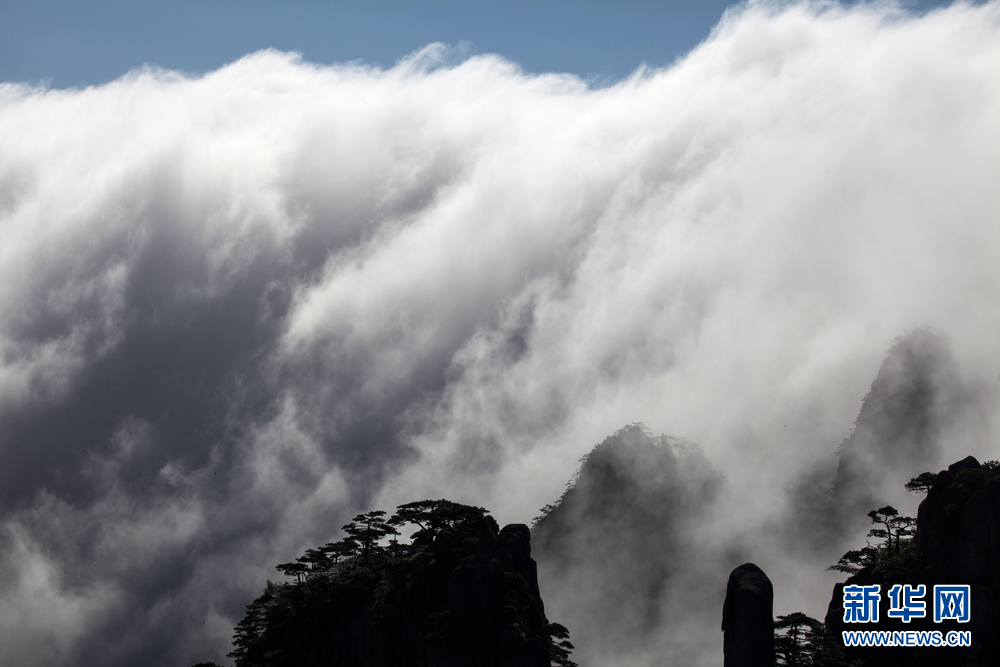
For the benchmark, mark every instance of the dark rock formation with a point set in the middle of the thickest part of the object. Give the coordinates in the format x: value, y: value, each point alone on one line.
x: 957, y: 542
x: 610, y: 549
x: 514, y: 552
x: 492, y: 615
x: 747, y: 618
x: 916, y: 393
x: 464, y: 594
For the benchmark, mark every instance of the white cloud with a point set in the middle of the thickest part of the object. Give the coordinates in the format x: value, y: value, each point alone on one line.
x: 304, y: 281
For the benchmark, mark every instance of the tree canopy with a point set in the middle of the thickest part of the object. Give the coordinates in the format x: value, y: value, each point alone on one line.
x: 291, y: 624
x: 798, y: 639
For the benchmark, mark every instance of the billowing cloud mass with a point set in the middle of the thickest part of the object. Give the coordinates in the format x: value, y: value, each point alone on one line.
x: 238, y: 308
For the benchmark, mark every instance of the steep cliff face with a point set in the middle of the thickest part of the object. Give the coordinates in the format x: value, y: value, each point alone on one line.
x: 463, y: 594
x: 915, y: 396
x: 613, y: 549
x: 957, y: 542
x: 491, y: 613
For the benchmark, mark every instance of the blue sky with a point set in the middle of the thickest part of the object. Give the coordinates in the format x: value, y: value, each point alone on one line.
x: 69, y: 44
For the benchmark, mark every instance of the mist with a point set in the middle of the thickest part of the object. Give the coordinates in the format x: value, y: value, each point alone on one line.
x: 238, y: 308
